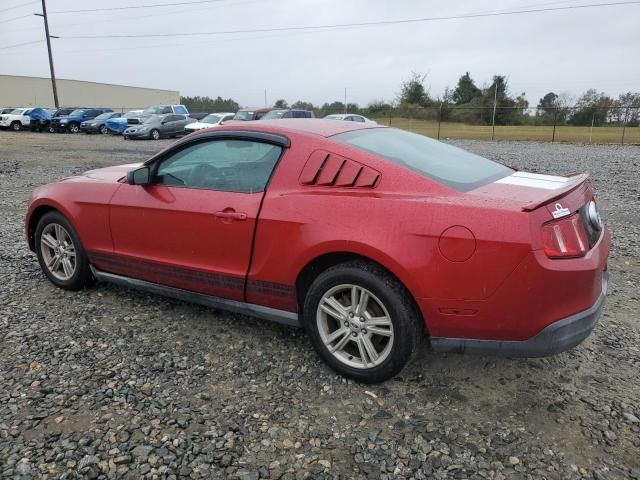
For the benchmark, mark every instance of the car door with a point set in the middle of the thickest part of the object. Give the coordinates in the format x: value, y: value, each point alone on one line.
x: 167, y: 125
x: 192, y: 227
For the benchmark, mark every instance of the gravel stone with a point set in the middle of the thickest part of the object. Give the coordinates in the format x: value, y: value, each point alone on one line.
x: 156, y: 388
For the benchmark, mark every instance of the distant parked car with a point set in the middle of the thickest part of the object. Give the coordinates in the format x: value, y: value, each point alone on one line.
x: 247, y: 114
x: 71, y: 123
x: 158, y: 110
x: 60, y: 112
x: 117, y: 126
x: 288, y: 113
x: 99, y: 124
x: 156, y: 127
x: 16, y: 119
x: 39, y: 119
x: 198, y: 115
x: 349, y: 117
x: 209, y: 121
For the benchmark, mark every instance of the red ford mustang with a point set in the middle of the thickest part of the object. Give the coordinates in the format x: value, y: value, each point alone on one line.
x: 367, y: 236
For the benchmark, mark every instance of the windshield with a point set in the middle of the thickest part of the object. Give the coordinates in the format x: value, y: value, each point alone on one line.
x: 213, y: 118
x: 246, y: 115
x: 152, y: 118
x: 132, y: 114
x: 77, y: 112
x: 448, y: 165
x: 157, y: 109
x: 104, y: 116
x: 274, y: 114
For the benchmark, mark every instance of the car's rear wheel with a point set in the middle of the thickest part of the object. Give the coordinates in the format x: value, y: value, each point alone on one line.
x: 103, y: 129
x: 73, y: 128
x: 60, y: 253
x: 50, y: 129
x: 362, y: 321
x: 16, y: 126
x: 155, y: 134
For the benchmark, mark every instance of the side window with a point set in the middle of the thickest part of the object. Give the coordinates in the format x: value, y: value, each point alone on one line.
x: 166, y: 109
x: 225, y: 165
x: 357, y: 119
x: 227, y: 117
x: 179, y: 109
x: 259, y: 115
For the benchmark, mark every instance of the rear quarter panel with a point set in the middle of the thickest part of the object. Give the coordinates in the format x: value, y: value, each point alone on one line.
x: 397, y: 224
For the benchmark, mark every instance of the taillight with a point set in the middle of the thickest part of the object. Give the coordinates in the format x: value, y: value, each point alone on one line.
x: 565, y: 238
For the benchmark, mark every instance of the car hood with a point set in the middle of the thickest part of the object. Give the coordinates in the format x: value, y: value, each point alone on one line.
x: 111, y: 174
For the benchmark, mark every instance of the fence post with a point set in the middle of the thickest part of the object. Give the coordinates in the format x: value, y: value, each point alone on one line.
x: 439, y: 119
x: 624, y: 124
x: 593, y: 119
x: 389, y: 117
x: 555, y: 122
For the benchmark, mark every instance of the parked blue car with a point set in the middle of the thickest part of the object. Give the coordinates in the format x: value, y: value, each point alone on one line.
x: 118, y: 125
x: 71, y: 123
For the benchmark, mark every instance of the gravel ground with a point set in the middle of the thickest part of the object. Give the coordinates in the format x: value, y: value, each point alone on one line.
x: 113, y: 383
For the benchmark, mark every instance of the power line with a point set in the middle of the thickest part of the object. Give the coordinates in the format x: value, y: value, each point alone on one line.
x: 359, y: 24
x: 6, y: 47
x: 91, y: 10
x: 19, y: 6
x: 16, y: 18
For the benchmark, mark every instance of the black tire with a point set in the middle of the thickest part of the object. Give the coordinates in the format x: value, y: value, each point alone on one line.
x: 73, y: 127
x: 408, y: 328
x: 16, y: 126
x: 103, y: 129
x: 50, y: 129
x: 82, y: 276
x: 154, y: 134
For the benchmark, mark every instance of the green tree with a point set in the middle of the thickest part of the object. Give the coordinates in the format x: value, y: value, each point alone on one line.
x: 466, y: 90
x: 282, y: 103
x: 627, y: 109
x: 209, y: 105
x: 413, y: 91
x: 329, y: 108
x: 592, y: 106
x: 303, y: 105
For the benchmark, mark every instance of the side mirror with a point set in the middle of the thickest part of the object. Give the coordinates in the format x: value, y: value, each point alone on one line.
x: 139, y: 176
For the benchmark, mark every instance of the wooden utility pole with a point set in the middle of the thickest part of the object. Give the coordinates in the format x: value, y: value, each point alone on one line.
x: 46, y: 31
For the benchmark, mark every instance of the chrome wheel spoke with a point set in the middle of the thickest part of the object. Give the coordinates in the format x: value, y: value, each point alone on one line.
x: 343, y: 341
x: 379, y: 331
x: 67, y: 267
x: 49, y: 241
x: 333, y: 307
x: 377, y: 321
x: 368, y: 352
x: 360, y: 299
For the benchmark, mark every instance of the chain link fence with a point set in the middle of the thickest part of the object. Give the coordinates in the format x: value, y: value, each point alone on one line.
x: 555, y: 124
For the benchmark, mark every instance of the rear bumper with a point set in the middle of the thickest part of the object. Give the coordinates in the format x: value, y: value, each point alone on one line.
x: 557, y: 337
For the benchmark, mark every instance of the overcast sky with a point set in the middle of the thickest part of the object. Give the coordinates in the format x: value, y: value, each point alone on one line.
x: 561, y: 51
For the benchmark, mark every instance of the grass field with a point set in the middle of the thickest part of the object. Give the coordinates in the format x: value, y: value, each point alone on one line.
x: 564, y: 133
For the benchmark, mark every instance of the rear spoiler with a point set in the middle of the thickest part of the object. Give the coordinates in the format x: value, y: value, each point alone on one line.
x: 572, y: 184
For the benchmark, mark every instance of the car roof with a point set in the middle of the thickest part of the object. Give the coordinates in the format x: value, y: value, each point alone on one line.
x: 317, y: 126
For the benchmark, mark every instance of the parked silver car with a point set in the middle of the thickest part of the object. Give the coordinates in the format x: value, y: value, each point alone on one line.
x: 156, y: 127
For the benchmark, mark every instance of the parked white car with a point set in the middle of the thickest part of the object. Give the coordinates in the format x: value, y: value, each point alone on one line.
x: 349, y: 117
x: 16, y: 120
x: 210, y: 120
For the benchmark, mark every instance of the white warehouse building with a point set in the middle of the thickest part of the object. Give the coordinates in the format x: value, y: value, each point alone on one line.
x: 19, y: 91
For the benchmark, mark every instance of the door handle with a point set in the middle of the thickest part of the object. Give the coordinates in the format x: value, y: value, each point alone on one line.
x: 231, y: 214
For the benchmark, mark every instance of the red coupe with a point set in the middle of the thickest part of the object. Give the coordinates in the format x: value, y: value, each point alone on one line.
x: 366, y: 236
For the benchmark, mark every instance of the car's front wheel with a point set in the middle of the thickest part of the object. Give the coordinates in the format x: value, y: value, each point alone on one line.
x: 155, y: 134
x: 60, y: 253
x: 103, y: 129
x: 362, y: 321
x: 73, y: 128
x: 16, y: 126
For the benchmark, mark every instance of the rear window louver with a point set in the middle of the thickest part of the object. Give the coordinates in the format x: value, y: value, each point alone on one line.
x: 331, y: 170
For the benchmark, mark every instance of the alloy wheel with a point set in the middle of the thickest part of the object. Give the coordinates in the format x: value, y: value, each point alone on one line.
x: 73, y: 128
x: 58, y: 251
x: 355, y: 326
x: 155, y: 134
